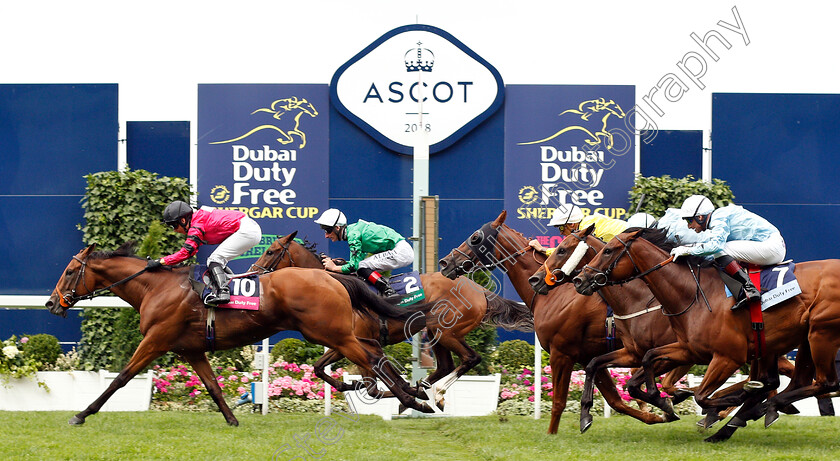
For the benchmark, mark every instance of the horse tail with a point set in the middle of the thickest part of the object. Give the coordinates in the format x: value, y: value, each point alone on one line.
x: 508, y: 314
x: 364, y: 300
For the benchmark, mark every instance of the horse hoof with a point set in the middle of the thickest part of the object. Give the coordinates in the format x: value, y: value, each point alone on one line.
x: 736, y: 422
x: 233, y: 422
x: 585, y: 423
x: 422, y: 407
x: 770, y: 417
x: 711, y: 418
x: 789, y: 409
x: 76, y: 421
x: 671, y: 417
x: 401, y: 409
x: 440, y: 404
x: 753, y: 385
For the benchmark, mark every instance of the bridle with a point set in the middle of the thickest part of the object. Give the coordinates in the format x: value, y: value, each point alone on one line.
x: 278, y: 256
x: 551, y: 277
x: 71, y: 298
x: 482, y: 252
x: 601, y: 278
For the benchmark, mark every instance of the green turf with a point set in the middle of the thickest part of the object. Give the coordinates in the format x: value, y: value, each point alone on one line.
x: 199, y: 436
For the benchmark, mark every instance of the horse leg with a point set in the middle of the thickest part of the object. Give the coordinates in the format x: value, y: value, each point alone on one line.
x: 656, y: 362
x: 561, y: 373
x: 670, y: 380
x: 146, y: 352
x: 607, y: 387
x: 202, y: 367
x: 369, y: 357
x: 619, y: 358
x: 469, y: 359
x: 328, y: 358
x: 819, y: 356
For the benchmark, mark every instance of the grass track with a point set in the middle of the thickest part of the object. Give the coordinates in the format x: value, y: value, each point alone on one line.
x: 198, y: 436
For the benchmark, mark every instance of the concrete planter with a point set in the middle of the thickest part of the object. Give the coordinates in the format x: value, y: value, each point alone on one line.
x: 74, y: 391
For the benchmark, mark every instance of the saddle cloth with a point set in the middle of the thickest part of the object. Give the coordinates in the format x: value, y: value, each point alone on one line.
x: 244, y: 289
x: 778, y: 283
x: 408, y: 285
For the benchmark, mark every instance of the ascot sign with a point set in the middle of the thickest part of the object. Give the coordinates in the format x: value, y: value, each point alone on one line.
x: 417, y: 78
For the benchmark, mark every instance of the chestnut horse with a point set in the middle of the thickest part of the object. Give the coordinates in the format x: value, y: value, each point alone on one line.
x: 571, y: 327
x: 711, y: 333
x: 634, y: 305
x: 173, y: 317
x: 460, y: 306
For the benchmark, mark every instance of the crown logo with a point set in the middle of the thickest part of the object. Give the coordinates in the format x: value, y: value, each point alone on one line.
x: 419, y: 59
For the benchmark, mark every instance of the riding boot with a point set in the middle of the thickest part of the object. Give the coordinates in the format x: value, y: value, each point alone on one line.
x: 220, y: 293
x: 376, y: 279
x: 748, y: 292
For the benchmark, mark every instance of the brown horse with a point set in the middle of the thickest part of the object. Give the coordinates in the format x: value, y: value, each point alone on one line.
x: 639, y: 321
x: 640, y: 325
x: 571, y: 327
x: 460, y: 306
x: 173, y: 317
x: 711, y: 333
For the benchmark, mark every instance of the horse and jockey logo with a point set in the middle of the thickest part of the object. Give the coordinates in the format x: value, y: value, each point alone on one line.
x: 591, y: 117
x: 288, y: 110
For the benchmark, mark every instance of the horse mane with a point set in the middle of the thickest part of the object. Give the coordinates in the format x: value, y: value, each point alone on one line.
x: 659, y: 237
x: 125, y: 250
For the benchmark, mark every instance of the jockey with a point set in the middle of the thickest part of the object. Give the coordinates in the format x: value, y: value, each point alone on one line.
x: 569, y: 218
x: 731, y: 234
x: 388, y: 250
x: 641, y: 220
x: 233, y: 231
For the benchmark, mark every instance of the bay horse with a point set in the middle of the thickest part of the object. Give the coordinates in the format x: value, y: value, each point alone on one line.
x: 173, y: 317
x: 571, y: 327
x: 459, y: 306
x: 712, y: 333
x: 639, y: 320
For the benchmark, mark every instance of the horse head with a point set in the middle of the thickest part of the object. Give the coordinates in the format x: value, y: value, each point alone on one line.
x: 285, y: 251
x: 613, y: 263
x: 566, y: 261
x: 489, y: 247
x: 66, y: 291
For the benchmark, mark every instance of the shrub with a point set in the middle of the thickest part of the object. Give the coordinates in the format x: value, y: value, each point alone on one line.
x: 483, y: 340
x: 400, y: 354
x: 515, y: 355
x: 42, y: 348
x: 296, y: 351
x: 663, y: 192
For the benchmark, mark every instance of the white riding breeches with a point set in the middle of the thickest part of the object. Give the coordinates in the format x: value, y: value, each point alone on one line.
x: 402, y: 255
x: 248, y: 235
x: 770, y: 251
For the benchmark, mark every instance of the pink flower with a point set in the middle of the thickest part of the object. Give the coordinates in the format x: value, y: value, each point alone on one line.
x: 531, y: 398
x: 24, y: 340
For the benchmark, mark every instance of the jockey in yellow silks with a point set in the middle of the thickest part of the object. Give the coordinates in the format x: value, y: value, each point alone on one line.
x: 569, y: 218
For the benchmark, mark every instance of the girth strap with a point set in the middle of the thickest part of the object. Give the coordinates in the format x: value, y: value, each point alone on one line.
x: 756, y: 316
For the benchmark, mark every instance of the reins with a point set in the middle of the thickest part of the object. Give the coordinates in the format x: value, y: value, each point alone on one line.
x: 72, y: 298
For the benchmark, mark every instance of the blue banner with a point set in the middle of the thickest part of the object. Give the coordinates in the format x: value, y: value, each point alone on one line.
x: 566, y: 144
x: 264, y: 150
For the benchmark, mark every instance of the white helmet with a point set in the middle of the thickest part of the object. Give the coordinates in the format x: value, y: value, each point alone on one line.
x: 641, y: 220
x: 566, y: 214
x: 696, y: 205
x: 331, y: 218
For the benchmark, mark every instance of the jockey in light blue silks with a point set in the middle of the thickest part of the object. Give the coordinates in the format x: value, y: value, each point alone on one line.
x: 729, y: 234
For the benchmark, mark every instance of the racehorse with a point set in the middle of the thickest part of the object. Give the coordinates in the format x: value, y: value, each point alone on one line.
x: 173, y: 317
x: 591, y: 118
x: 460, y: 306
x: 712, y: 333
x: 571, y: 327
x: 638, y: 319
x: 278, y: 109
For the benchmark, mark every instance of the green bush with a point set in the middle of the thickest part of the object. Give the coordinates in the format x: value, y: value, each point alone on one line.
x: 296, y: 351
x: 663, y: 192
x: 42, y: 348
x: 399, y: 353
x: 484, y: 341
x: 121, y: 206
x: 515, y: 355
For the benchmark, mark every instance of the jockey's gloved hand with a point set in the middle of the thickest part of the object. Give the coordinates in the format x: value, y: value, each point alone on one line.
x: 153, y: 265
x: 339, y: 261
x: 680, y: 251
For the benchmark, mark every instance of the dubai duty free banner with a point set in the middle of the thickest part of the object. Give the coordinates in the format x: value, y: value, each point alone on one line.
x: 264, y: 149
x: 566, y: 144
